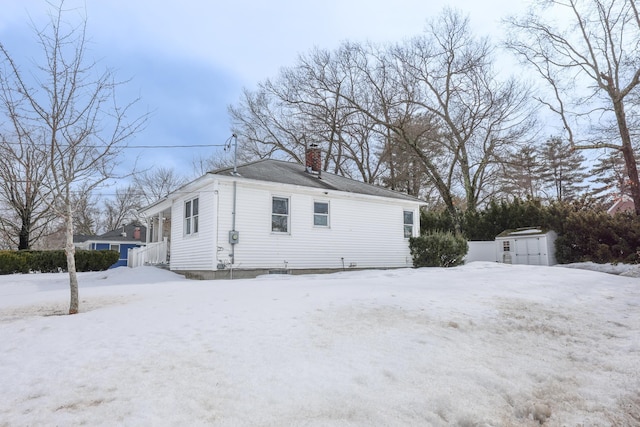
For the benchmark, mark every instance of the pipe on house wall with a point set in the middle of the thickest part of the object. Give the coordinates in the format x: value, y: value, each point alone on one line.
x: 216, y: 237
x: 233, y: 223
x: 235, y: 196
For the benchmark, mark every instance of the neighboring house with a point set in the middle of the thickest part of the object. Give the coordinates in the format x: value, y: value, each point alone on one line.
x: 122, y: 239
x: 272, y: 216
x: 622, y: 204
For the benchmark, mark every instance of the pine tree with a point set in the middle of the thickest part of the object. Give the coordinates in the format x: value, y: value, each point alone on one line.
x: 521, y: 174
x: 562, y: 172
x: 612, y: 180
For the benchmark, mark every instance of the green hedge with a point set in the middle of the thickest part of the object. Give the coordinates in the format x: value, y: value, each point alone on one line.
x: 55, y: 261
x: 438, y: 249
x: 585, y: 231
x: 599, y: 237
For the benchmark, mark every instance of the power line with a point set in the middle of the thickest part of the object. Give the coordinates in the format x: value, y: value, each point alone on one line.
x: 175, y: 146
x: 127, y: 146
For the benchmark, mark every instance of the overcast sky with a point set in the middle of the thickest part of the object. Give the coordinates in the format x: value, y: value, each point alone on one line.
x: 189, y: 60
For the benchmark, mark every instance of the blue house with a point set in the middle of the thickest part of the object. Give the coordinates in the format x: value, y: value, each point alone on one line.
x: 121, y: 239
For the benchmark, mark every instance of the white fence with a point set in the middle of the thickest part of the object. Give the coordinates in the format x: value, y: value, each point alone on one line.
x: 151, y: 254
x: 481, y: 251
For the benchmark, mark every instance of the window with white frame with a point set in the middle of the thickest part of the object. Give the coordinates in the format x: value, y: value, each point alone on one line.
x: 408, y: 224
x: 280, y: 214
x: 191, y: 210
x: 114, y: 247
x: 321, y: 214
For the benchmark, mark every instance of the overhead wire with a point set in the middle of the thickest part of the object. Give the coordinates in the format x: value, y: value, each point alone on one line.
x: 130, y: 146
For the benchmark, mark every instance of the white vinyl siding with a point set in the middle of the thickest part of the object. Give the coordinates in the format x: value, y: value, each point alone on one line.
x: 320, y: 214
x: 364, y: 232
x: 187, y: 252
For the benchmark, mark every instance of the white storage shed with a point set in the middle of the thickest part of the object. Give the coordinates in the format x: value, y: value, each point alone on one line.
x: 530, y: 246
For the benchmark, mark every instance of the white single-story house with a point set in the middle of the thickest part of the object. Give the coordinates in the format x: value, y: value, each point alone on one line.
x: 272, y: 216
x: 121, y: 240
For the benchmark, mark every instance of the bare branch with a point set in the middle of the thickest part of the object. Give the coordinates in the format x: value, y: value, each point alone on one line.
x: 81, y: 129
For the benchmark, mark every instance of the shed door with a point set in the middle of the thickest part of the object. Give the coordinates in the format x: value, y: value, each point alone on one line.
x: 528, y: 251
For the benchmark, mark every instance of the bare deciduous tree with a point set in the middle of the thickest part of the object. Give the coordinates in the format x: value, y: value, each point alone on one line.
x: 437, y: 94
x: 23, y: 167
x: 154, y: 184
x: 304, y: 106
x: 592, y: 68
x: 122, y: 208
x: 203, y: 164
x: 25, y: 202
x: 86, y: 217
x: 446, y: 75
x: 73, y: 106
x: 479, y: 115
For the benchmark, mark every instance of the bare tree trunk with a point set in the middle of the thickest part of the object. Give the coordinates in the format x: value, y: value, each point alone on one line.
x: 632, y: 172
x: 23, y: 238
x: 601, y: 59
x: 628, y: 154
x: 70, y: 251
x: 73, y: 108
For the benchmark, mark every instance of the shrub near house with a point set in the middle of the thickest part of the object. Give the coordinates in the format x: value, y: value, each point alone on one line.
x: 438, y: 249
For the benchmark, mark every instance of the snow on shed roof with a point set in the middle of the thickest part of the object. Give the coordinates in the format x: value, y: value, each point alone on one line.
x: 525, y: 231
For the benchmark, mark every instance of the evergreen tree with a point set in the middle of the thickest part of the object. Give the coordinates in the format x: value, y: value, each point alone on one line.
x: 562, y: 172
x: 521, y: 174
x: 612, y: 180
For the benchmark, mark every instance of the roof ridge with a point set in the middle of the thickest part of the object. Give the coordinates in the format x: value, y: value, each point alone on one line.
x: 326, y: 180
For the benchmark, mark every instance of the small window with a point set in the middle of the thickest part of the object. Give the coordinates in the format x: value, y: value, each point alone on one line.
x: 191, y: 210
x: 408, y: 224
x: 506, y: 246
x: 280, y: 215
x: 115, y: 248
x: 321, y: 214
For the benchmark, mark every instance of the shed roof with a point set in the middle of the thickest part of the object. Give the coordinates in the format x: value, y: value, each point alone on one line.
x: 525, y: 231
x: 296, y: 174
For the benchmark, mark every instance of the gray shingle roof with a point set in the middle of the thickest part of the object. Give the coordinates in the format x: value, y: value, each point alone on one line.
x: 296, y: 174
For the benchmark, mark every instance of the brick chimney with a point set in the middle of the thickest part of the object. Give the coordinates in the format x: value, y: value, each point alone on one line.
x: 313, y: 159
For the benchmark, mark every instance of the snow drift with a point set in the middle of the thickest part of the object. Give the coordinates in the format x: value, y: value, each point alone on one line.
x: 480, y: 345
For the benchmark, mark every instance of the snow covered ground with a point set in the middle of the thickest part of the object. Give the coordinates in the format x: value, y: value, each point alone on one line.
x: 480, y: 345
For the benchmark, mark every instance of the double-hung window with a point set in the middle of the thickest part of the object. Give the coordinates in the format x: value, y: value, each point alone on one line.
x: 280, y: 215
x: 191, y: 209
x: 321, y: 214
x: 408, y: 224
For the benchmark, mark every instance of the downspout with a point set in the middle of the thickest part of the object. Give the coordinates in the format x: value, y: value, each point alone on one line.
x: 233, y: 224
x: 233, y: 235
x: 216, y: 230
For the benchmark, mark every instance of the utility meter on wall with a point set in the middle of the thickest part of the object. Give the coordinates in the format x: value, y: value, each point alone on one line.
x: 234, y: 236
